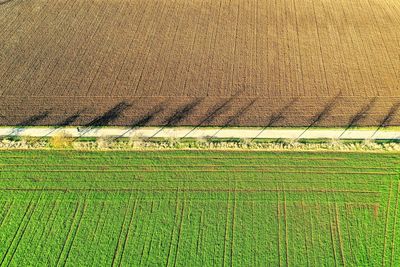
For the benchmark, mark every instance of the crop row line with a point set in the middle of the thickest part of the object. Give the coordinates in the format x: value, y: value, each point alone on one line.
x: 191, y: 181
x: 18, y: 234
x: 332, y: 236
x: 199, y: 170
x: 173, y: 226
x: 338, y: 228
x: 127, y: 214
x: 393, y: 245
x: 175, y: 157
x: 73, y: 229
x: 5, y: 211
x: 200, y: 165
x: 49, y: 223
x: 386, y: 223
x: 377, y: 193
x: 305, y: 231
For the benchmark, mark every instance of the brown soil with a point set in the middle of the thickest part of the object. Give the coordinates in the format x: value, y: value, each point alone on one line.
x: 200, y: 62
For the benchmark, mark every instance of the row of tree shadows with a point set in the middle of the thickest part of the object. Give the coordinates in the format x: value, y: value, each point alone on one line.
x: 109, y: 117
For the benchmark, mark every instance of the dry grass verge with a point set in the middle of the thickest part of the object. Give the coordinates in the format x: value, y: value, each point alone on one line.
x: 137, y: 143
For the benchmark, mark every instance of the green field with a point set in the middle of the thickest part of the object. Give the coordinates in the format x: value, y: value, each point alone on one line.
x: 199, y: 208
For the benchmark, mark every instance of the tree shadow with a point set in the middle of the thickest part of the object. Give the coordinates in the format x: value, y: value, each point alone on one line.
x: 179, y: 115
x: 215, y: 112
x: 235, y: 117
x: 111, y: 115
x: 145, y: 120
x: 322, y: 114
x: 71, y: 119
x: 66, y: 122
x: 360, y: 115
x: 182, y: 113
x: 233, y: 120
x: 33, y: 120
x: 108, y: 117
x: 388, y: 118
x: 30, y: 121
x: 277, y: 117
x: 386, y: 121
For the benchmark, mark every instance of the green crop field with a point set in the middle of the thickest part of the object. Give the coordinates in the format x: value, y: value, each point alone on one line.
x: 199, y: 208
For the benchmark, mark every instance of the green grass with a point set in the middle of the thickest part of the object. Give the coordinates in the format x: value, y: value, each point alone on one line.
x: 199, y: 208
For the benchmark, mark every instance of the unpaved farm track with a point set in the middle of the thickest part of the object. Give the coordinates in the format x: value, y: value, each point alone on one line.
x: 200, y: 62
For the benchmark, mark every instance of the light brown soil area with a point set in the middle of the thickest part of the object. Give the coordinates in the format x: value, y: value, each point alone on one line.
x: 200, y: 62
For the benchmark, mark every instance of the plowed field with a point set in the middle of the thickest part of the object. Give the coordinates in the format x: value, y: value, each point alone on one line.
x: 200, y: 62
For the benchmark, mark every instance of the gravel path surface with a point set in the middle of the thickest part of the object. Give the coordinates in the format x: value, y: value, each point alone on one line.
x: 186, y: 132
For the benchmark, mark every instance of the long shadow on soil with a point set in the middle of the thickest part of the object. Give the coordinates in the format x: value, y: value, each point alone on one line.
x: 322, y: 114
x: 111, y: 115
x: 179, y: 115
x: 388, y: 118
x: 386, y: 121
x: 233, y: 119
x: 108, y: 117
x: 70, y: 120
x: 214, y: 113
x: 360, y: 115
x: 66, y: 122
x: 144, y: 120
x: 30, y: 121
x: 33, y: 120
x: 277, y: 117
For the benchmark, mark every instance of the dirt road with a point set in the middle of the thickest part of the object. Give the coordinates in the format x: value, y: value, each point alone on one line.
x: 187, y: 132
